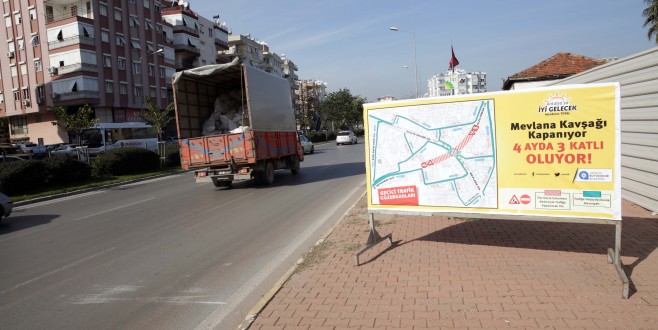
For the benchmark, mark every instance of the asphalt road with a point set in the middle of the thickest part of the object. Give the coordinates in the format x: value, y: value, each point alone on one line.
x: 168, y: 253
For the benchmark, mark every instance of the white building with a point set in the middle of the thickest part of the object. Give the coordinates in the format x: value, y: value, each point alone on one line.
x: 456, y: 83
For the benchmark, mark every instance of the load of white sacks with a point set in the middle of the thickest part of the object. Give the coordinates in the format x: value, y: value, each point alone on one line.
x: 229, y: 115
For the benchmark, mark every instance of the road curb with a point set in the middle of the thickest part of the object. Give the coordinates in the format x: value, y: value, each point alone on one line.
x: 260, y: 305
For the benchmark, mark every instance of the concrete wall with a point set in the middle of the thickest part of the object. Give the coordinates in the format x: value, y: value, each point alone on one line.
x: 638, y: 76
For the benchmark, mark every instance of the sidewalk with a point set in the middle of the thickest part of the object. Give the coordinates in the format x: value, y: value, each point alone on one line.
x: 484, y: 274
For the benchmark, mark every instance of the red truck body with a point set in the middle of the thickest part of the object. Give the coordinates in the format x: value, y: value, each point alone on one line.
x: 268, y: 140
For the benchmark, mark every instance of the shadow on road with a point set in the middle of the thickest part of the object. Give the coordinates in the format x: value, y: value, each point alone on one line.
x: 16, y: 223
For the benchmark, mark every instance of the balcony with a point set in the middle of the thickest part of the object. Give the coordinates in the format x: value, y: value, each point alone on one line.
x: 74, y: 40
x: 221, y: 43
x: 84, y: 13
x: 79, y: 96
x: 187, y: 49
x: 77, y: 67
x: 186, y: 29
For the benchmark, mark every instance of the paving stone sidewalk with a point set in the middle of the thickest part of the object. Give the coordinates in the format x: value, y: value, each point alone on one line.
x: 444, y: 273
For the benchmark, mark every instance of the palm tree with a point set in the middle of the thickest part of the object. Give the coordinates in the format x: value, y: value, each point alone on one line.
x: 651, y: 18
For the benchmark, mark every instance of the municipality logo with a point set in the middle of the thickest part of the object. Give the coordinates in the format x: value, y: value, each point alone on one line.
x: 558, y: 102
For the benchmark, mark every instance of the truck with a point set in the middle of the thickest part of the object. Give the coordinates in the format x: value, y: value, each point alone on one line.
x: 234, y: 123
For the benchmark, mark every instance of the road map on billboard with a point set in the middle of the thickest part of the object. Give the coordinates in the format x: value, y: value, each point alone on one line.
x: 539, y: 152
x: 435, y: 154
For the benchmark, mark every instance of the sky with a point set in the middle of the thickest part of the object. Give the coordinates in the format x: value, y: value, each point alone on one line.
x: 348, y: 45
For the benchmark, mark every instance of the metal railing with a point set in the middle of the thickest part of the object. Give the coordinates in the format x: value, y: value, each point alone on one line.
x: 71, y: 41
x: 68, y: 14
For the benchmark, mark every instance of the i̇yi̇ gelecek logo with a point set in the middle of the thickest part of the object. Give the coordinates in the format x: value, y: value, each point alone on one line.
x: 557, y: 103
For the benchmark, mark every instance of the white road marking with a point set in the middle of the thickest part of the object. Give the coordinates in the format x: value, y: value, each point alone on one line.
x: 25, y: 233
x: 57, y: 270
x: 109, y: 295
x: 114, y: 209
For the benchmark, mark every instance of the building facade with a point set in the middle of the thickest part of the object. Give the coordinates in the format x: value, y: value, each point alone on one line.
x: 108, y: 54
x: 456, y: 82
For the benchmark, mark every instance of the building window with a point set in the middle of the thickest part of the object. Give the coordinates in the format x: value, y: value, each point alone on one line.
x: 21, y: 43
x: 152, y: 92
x: 37, y: 66
x: 121, y: 63
x: 26, y: 93
x: 134, y: 21
x: 2, y: 98
x: 23, y: 69
x: 18, y: 125
x: 17, y: 19
x: 17, y: 95
x: 135, y: 44
x: 14, y: 70
x: 151, y: 70
x: 109, y: 86
x: 35, y: 40
x: 41, y: 91
x: 163, y: 92
x: 123, y: 88
x: 107, y: 61
x: 147, y: 4
x: 136, y: 68
x: 149, y: 26
x: 117, y: 14
x: 102, y: 8
x: 157, y: 8
x: 11, y: 46
x: 120, y: 40
x: 33, y: 14
x: 7, y: 21
x: 137, y: 91
x: 149, y: 47
x: 105, y: 36
x: 131, y: 1
x: 162, y: 71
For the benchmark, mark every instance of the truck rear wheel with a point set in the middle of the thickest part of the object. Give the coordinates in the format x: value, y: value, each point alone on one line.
x: 268, y: 174
x: 294, y: 169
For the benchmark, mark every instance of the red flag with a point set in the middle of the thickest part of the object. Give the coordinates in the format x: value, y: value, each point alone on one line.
x: 453, y: 61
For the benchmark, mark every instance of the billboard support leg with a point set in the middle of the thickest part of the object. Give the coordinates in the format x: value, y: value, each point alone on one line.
x: 614, y: 257
x: 373, y: 238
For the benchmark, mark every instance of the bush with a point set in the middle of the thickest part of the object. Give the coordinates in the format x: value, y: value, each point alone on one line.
x: 122, y: 161
x: 21, y: 176
x: 64, y: 170
x: 172, y: 155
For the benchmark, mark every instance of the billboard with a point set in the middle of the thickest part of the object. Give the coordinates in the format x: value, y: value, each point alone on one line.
x: 546, y: 152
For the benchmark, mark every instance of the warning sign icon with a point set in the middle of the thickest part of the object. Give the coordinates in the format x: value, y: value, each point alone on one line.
x: 514, y: 200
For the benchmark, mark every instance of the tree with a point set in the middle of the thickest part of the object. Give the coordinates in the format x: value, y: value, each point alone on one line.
x: 651, y: 18
x: 156, y: 117
x: 75, y: 122
x: 343, y: 108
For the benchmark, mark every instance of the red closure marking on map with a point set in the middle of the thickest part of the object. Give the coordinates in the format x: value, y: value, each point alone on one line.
x: 454, y: 151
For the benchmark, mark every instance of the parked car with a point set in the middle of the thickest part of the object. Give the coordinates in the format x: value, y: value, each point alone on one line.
x: 345, y: 137
x: 51, y: 147
x: 67, y: 150
x: 5, y: 206
x: 9, y: 150
x: 307, y: 145
x: 10, y: 159
x: 33, y: 149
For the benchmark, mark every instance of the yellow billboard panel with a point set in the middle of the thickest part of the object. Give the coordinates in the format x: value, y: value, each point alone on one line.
x: 542, y: 152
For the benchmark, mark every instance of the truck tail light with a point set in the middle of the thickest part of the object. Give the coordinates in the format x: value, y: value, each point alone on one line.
x: 201, y: 173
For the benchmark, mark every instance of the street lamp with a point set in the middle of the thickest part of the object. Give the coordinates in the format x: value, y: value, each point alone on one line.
x: 160, y: 50
x: 394, y: 28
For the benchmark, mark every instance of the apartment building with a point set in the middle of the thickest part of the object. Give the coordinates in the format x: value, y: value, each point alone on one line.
x: 456, y: 82
x: 108, y: 54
